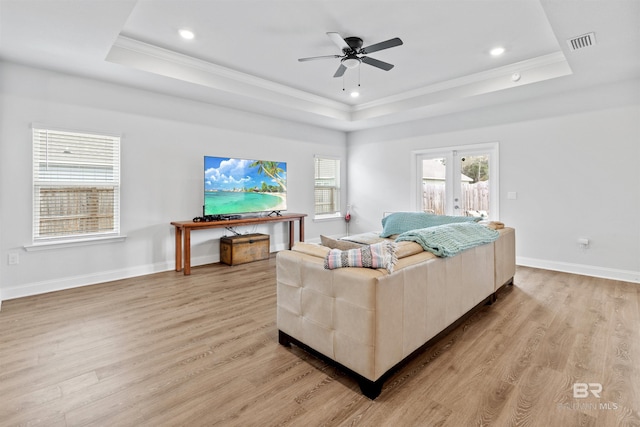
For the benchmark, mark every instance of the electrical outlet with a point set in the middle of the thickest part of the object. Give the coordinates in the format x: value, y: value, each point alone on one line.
x: 14, y: 259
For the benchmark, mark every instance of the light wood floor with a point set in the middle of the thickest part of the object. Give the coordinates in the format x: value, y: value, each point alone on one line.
x: 170, y: 350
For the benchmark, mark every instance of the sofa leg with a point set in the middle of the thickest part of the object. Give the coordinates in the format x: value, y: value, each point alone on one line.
x: 491, y: 299
x: 284, y: 339
x: 371, y: 389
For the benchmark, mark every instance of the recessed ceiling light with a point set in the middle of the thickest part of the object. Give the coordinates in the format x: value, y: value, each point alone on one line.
x: 186, y: 34
x: 497, y: 51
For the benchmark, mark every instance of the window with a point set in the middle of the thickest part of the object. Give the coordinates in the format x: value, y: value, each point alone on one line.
x: 458, y: 180
x: 76, y: 185
x: 327, y: 187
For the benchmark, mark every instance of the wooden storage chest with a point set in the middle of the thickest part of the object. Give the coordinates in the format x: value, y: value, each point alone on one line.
x: 244, y: 248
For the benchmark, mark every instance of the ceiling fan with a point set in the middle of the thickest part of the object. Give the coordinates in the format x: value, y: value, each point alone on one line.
x: 353, y: 53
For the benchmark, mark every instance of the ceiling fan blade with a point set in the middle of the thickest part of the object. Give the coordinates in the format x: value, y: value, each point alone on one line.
x: 382, y: 45
x: 379, y: 64
x: 339, y: 41
x: 340, y: 71
x: 313, y: 58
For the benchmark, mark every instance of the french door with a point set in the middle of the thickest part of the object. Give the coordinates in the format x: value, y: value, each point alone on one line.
x: 461, y: 181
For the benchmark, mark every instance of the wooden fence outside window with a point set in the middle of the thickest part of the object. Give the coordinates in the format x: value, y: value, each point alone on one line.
x: 77, y: 210
x: 475, y: 197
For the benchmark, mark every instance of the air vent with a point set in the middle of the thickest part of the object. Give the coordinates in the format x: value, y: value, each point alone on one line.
x: 582, y: 41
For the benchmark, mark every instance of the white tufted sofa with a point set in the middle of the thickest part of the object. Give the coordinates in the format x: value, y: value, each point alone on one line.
x: 368, y: 321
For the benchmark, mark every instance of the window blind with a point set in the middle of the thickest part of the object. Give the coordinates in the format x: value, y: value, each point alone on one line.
x: 76, y: 184
x: 327, y: 186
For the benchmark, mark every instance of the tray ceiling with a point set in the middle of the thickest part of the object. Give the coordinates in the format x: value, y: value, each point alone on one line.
x: 244, y: 53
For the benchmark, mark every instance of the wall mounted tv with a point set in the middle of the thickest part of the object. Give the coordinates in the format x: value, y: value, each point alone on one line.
x: 237, y: 186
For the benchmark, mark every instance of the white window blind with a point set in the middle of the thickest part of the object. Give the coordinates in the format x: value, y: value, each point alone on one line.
x: 76, y: 185
x: 327, y: 186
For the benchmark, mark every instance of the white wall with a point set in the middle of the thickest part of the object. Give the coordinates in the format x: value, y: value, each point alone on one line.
x: 576, y: 175
x: 164, y: 141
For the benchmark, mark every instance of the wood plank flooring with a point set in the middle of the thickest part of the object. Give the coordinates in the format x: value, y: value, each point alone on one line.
x: 202, y: 350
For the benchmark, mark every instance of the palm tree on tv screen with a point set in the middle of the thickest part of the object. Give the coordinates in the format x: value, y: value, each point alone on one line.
x: 272, y: 170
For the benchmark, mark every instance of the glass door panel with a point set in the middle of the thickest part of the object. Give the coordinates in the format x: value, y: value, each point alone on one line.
x: 456, y: 181
x: 474, y: 186
x: 434, y: 172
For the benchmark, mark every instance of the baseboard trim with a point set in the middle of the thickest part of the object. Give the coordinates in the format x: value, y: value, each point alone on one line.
x: 46, y: 286
x: 109, y: 276
x: 585, y: 270
x: 71, y: 282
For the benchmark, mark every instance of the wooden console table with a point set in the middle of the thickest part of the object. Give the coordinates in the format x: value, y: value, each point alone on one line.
x: 183, y: 233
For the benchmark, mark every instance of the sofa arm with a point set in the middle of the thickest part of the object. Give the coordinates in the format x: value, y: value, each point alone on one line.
x: 505, y: 257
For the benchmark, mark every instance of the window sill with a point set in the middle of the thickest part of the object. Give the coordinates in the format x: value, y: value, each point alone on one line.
x: 58, y: 244
x: 328, y: 217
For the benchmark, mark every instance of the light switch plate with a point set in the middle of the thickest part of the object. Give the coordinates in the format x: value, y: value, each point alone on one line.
x: 13, y: 258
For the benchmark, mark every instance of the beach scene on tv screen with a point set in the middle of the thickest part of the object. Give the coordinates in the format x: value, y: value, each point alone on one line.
x: 234, y: 186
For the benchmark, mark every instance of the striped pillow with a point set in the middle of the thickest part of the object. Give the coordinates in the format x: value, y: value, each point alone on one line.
x: 379, y: 255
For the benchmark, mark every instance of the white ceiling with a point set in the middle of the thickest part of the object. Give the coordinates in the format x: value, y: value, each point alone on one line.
x: 245, y: 52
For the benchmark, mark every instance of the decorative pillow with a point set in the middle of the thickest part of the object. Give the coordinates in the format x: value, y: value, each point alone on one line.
x: 343, y: 245
x: 400, y: 222
x: 379, y: 255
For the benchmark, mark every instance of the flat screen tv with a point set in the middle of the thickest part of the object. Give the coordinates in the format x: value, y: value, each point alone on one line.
x: 238, y: 186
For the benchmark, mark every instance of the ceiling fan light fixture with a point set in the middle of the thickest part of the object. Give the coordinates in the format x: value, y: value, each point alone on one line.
x: 355, y: 94
x: 351, y: 62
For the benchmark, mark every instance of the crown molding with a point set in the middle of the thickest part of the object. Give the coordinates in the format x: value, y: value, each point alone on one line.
x: 435, y: 97
x: 471, y: 79
x: 451, y: 95
x: 187, y: 62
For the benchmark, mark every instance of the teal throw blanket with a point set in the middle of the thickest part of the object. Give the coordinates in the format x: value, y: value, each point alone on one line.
x: 450, y: 239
